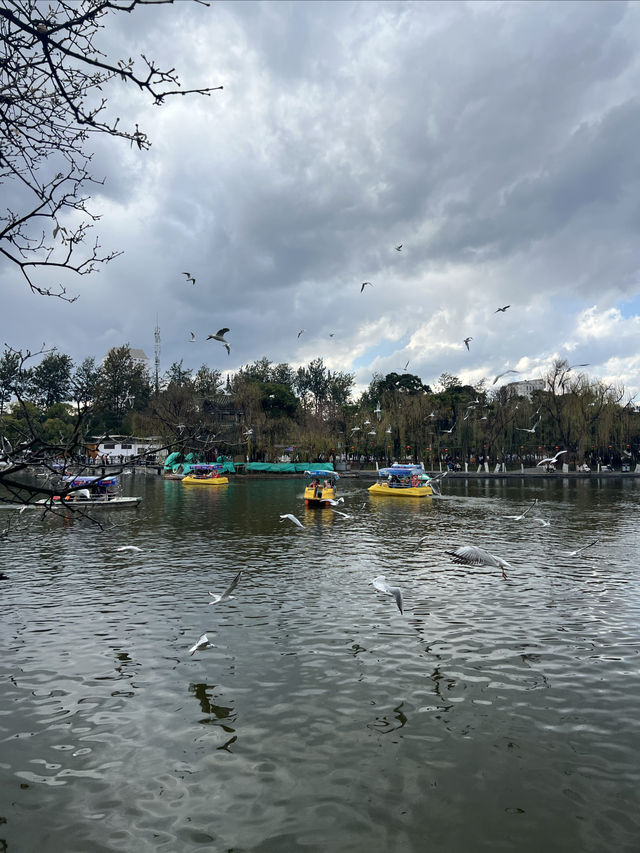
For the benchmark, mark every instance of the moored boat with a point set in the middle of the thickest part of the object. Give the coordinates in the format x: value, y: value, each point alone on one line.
x: 403, y: 481
x: 322, y: 487
x: 88, y: 491
x: 205, y: 475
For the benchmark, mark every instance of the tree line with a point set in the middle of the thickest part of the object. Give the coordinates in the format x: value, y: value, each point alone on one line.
x: 310, y: 412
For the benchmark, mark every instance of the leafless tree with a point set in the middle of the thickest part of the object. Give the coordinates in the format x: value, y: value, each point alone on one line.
x: 53, y: 84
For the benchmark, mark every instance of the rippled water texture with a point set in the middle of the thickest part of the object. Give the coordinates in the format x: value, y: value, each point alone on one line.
x: 494, y: 715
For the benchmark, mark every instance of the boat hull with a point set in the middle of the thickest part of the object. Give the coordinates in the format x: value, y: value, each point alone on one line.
x: 401, y: 491
x: 205, y: 481
x: 319, y: 496
x: 97, y: 503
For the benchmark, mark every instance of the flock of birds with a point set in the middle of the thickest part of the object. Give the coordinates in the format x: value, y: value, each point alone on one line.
x: 464, y: 555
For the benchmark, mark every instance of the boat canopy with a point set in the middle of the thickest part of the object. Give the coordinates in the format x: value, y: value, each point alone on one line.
x: 322, y: 473
x: 401, y: 471
x: 78, y: 480
x: 208, y: 466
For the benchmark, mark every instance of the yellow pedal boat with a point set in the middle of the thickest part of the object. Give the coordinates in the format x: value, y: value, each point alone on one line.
x: 322, y: 487
x: 402, y: 481
x: 205, y: 475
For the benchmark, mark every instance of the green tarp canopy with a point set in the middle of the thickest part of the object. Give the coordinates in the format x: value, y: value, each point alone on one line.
x: 286, y: 467
x: 170, y: 461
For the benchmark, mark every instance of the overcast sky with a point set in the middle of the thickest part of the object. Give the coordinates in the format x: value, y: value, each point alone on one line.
x: 497, y: 142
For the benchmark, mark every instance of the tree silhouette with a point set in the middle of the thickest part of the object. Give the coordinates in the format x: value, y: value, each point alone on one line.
x: 53, y: 84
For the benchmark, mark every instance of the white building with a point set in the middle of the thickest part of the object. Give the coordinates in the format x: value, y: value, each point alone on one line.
x: 127, y: 446
x: 525, y: 387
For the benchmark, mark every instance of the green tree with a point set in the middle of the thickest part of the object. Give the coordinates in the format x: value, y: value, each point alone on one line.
x: 9, y: 375
x: 207, y: 382
x: 123, y: 386
x: 83, y: 382
x: 51, y: 380
x: 177, y: 375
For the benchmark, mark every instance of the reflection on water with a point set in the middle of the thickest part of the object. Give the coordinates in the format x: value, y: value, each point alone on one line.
x: 494, y: 715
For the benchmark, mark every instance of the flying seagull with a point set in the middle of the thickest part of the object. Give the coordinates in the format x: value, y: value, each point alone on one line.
x: 291, y: 518
x: 580, y: 550
x: 471, y: 555
x: 399, y: 247
x: 217, y: 598
x: 466, y: 342
x: 550, y: 459
x: 382, y: 586
x: 128, y: 548
x: 192, y: 339
x: 522, y: 514
x: 189, y: 277
x: 335, y: 502
x: 300, y: 332
x: 203, y: 643
x: 364, y: 284
x: 533, y: 428
x: 504, y: 373
x: 343, y: 514
x: 378, y: 410
x: 449, y: 430
x: 219, y: 336
x: 503, y: 309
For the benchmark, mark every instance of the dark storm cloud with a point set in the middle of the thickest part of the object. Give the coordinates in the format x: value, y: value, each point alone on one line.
x: 496, y: 142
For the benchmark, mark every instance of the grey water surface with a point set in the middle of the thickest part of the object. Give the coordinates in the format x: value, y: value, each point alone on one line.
x: 497, y: 715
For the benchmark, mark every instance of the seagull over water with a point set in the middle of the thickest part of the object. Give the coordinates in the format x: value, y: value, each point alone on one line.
x: 128, y: 548
x: 203, y: 643
x: 291, y: 518
x: 504, y: 373
x: 343, y: 514
x: 335, y: 501
x: 217, y: 598
x: 382, y: 586
x: 580, y: 550
x: 522, y: 514
x: 471, y: 555
x: 550, y: 459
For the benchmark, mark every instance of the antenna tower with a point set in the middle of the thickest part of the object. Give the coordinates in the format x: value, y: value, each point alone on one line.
x: 156, y: 337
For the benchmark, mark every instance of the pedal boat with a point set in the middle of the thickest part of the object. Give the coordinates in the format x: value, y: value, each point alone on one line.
x: 322, y: 487
x: 402, y: 481
x: 94, y: 492
x: 205, y: 475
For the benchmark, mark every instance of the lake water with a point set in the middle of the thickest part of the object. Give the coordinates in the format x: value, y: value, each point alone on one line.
x: 494, y: 715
